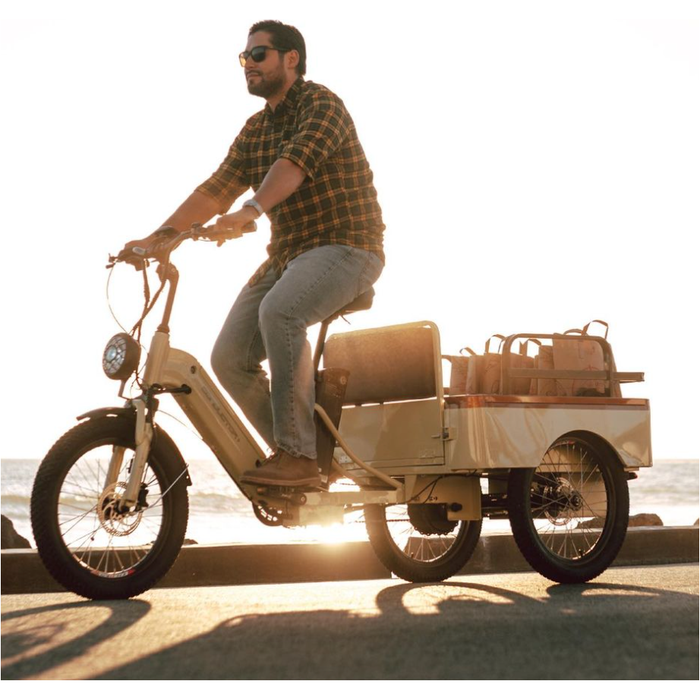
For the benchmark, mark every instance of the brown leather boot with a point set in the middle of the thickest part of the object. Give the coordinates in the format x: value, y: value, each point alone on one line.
x: 285, y: 470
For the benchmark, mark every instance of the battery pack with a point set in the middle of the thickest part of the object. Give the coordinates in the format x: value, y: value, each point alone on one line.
x: 330, y: 394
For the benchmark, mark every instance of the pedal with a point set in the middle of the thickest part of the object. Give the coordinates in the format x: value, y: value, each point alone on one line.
x: 295, y: 495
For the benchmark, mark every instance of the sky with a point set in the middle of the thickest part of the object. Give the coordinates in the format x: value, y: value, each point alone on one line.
x: 536, y: 162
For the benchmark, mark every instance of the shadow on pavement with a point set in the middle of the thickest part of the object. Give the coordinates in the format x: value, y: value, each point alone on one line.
x: 46, y: 637
x: 448, y: 631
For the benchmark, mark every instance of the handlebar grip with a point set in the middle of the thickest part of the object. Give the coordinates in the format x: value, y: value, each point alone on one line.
x: 135, y: 256
x: 166, y: 237
x: 229, y: 234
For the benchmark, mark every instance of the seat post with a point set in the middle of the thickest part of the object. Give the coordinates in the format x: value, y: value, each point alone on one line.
x: 361, y: 303
x: 318, y: 352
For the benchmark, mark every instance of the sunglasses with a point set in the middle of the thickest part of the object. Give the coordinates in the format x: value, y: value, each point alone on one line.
x: 258, y: 54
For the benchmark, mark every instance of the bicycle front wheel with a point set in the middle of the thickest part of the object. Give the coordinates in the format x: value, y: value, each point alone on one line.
x: 86, y: 540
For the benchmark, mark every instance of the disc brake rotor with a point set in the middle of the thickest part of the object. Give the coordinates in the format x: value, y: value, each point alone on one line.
x: 113, y: 521
x: 564, y: 502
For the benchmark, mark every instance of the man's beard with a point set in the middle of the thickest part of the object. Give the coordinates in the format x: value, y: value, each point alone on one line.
x: 267, y: 87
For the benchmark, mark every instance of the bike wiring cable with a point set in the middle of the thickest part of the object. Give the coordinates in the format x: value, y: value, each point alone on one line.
x: 182, y: 423
x: 136, y: 380
x: 163, y: 495
x: 146, y: 309
x: 430, y: 486
x: 109, y: 301
x: 146, y: 299
x: 149, y: 303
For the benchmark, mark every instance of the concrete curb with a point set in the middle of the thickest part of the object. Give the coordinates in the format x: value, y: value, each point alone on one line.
x: 224, y: 565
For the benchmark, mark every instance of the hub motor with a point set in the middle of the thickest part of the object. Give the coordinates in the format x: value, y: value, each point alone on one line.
x: 430, y: 518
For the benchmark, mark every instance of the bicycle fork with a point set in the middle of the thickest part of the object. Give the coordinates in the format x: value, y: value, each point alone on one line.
x: 143, y: 438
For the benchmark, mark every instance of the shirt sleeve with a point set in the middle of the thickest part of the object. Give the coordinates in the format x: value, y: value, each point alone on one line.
x: 230, y: 180
x: 323, y: 125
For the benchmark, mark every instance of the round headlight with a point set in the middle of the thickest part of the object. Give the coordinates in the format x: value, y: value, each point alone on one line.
x: 121, y: 356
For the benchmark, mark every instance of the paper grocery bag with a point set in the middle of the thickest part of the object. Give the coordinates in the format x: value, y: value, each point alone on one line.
x: 519, y: 385
x: 484, y: 371
x: 458, y: 374
x: 577, y: 353
x: 544, y: 360
x: 474, y: 373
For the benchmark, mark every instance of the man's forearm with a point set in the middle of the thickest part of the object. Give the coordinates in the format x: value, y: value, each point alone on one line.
x: 197, y: 208
x: 282, y: 180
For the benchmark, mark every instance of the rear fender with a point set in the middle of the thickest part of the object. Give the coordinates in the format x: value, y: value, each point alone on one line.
x: 606, y: 448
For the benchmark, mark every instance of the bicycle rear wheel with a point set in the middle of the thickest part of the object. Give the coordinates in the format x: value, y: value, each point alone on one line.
x: 569, y: 515
x: 418, y: 543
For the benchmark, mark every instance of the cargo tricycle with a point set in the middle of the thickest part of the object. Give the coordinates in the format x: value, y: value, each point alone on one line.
x: 545, y: 441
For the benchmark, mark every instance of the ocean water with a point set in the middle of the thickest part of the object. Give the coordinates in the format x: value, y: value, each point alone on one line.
x: 220, y: 514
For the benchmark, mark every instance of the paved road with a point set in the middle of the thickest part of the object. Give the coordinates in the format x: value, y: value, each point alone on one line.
x: 632, y: 622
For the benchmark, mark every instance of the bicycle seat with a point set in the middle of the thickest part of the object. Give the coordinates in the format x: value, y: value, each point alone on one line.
x: 361, y: 303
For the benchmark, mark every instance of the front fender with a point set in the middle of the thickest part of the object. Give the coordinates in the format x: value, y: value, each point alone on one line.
x: 129, y: 412
x: 123, y: 411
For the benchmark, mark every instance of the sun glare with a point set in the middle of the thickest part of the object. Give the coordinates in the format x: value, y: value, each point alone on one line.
x: 335, y: 533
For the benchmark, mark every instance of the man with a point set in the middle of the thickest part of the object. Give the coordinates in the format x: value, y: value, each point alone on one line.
x: 305, y: 164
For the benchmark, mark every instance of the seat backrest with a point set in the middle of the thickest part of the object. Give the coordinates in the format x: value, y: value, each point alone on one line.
x: 392, y: 363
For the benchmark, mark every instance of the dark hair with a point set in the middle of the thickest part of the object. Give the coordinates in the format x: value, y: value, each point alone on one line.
x: 284, y: 36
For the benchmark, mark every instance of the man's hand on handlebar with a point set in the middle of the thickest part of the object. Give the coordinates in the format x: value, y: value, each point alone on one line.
x: 135, y: 251
x: 234, y: 225
x: 138, y: 251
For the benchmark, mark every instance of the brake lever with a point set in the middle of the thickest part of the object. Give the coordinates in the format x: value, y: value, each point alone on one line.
x: 138, y: 260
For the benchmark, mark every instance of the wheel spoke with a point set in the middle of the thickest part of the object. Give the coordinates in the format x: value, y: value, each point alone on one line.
x: 89, y: 540
x: 411, y: 542
x: 82, y: 534
x: 80, y: 540
x: 573, y: 518
x: 112, y: 542
x: 418, y: 542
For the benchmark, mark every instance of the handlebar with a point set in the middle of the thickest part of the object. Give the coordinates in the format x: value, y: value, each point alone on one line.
x: 167, y: 241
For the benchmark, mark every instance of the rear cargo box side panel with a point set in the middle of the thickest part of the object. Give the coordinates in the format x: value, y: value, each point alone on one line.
x: 505, y: 436
x: 405, y: 433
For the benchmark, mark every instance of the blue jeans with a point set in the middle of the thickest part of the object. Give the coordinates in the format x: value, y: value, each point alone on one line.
x: 269, y: 321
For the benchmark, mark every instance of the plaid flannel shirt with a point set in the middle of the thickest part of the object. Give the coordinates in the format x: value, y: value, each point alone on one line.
x: 336, y: 203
